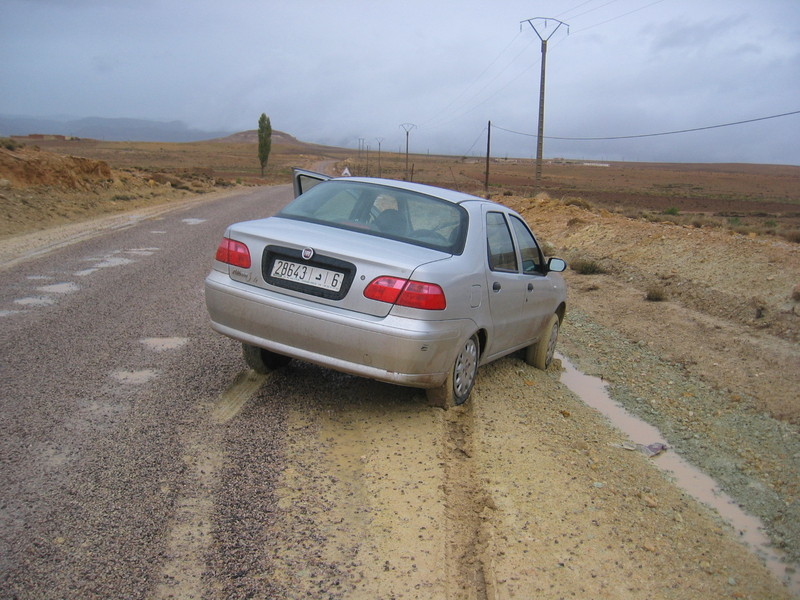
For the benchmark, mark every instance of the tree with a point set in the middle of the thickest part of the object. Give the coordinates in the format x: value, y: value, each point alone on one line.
x: 264, y: 141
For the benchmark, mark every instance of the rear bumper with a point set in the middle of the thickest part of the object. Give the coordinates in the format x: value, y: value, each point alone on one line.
x: 393, y: 349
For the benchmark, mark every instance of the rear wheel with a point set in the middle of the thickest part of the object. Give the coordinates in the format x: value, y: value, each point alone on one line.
x: 458, y: 385
x: 262, y: 360
x: 540, y: 354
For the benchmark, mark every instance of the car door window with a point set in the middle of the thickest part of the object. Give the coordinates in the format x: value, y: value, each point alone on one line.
x: 528, y: 249
x: 500, y: 245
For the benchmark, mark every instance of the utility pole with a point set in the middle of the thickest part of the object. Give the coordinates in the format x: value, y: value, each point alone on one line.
x: 488, y: 152
x: 544, y: 39
x: 407, y: 127
x: 379, y: 139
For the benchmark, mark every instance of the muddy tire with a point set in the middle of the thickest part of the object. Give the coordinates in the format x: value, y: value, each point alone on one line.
x: 540, y: 354
x: 456, y: 389
x: 261, y: 360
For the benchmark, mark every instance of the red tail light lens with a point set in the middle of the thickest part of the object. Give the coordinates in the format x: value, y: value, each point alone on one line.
x: 233, y: 253
x: 404, y: 292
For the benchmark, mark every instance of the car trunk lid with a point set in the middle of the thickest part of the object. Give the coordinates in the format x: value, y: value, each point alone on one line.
x: 324, y: 264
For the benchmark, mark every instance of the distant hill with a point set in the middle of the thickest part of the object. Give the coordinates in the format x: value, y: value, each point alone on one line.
x: 251, y: 137
x: 117, y: 130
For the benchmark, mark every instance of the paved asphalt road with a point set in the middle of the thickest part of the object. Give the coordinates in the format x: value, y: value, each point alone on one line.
x: 110, y: 378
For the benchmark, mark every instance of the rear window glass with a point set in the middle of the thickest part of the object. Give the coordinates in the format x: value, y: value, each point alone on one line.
x: 385, y: 212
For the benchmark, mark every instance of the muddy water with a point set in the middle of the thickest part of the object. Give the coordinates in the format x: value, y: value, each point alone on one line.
x: 592, y: 390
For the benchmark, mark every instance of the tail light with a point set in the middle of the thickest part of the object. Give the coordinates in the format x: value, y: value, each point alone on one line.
x: 405, y: 292
x: 233, y: 253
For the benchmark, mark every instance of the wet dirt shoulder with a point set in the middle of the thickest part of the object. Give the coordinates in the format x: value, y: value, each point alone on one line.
x: 754, y: 457
x: 522, y: 492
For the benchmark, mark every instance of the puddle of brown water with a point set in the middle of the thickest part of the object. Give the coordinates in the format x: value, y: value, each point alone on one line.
x: 592, y: 391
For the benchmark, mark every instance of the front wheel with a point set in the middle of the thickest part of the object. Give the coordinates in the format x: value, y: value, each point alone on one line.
x: 540, y: 354
x: 262, y: 360
x: 456, y: 389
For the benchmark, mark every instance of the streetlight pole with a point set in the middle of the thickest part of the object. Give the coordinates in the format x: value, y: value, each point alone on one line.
x: 540, y: 137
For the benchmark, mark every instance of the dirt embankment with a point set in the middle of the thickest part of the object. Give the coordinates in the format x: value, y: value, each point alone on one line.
x: 29, y: 167
x: 40, y: 189
x: 731, y: 313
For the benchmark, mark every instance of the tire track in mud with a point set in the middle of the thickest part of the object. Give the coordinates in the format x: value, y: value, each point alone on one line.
x: 466, y: 502
x: 381, y: 496
x: 361, y: 501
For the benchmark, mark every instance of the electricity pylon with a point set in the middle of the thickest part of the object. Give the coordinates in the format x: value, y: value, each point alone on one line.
x: 407, y: 127
x: 540, y: 138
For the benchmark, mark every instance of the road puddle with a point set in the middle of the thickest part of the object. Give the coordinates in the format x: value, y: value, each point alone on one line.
x: 592, y: 391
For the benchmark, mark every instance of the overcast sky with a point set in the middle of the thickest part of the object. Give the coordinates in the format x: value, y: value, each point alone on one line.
x: 334, y: 72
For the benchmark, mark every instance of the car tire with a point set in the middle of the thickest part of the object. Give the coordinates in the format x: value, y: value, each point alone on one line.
x: 458, y: 385
x: 540, y: 354
x: 262, y: 360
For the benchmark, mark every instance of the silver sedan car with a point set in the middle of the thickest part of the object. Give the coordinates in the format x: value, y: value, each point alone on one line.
x: 396, y: 281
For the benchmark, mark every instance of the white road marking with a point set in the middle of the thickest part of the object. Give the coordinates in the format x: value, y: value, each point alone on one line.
x: 35, y: 301
x: 60, y: 288
x: 158, y: 344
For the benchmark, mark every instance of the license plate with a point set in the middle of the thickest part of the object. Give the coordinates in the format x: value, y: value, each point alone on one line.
x: 321, y: 278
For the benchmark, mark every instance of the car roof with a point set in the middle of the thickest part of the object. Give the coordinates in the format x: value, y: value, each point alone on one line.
x: 430, y: 190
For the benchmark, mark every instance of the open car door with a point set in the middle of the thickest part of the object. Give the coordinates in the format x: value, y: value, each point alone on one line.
x: 305, y: 180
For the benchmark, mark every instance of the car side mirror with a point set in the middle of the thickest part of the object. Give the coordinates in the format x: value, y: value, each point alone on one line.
x: 556, y: 264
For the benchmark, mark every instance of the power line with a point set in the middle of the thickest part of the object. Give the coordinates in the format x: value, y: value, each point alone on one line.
x: 473, y: 101
x: 566, y: 12
x: 480, y: 135
x: 644, y: 135
x: 586, y: 12
x: 475, y: 82
x: 617, y: 17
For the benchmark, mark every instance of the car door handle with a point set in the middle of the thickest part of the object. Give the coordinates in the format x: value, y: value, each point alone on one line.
x: 496, y: 286
x: 530, y: 287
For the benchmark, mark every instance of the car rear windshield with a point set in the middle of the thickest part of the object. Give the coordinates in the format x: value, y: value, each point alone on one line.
x: 383, y: 211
